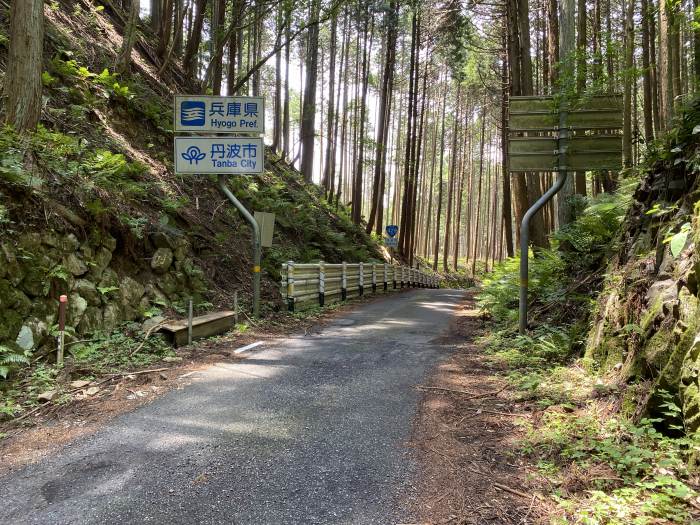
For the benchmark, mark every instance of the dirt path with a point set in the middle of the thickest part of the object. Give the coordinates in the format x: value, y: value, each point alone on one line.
x: 471, y: 468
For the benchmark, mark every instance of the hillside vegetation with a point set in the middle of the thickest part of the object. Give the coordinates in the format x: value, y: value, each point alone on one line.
x: 89, y: 206
x: 613, y: 352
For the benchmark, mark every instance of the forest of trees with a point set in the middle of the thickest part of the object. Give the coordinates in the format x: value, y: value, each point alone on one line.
x: 399, y: 109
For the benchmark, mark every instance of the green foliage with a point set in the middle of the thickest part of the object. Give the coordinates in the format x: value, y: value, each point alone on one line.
x: 57, y: 271
x: 11, y: 359
x: 677, y: 240
x: 501, y: 288
x: 4, y: 215
x: 584, y: 242
x: 106, y: 290
x: 114, y: 352
x: 647, y: 468
x: 137, y: 225
x: 113, y: 171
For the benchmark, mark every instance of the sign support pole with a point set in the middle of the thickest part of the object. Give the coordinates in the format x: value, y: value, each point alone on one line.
x: 562, y: 145
x: 256, y: 242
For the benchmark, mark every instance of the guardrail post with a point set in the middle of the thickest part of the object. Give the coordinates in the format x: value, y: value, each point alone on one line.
x: 321, y: 283
x: 290, y: 286
x: 402, y: 269
x: 386, y: 277
x: 343, y: 283
x: 374, y: 278
x: 393, y: 276
x: 361, y: 281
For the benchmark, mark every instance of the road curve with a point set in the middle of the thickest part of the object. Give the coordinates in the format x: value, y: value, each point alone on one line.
x: 311, y: 430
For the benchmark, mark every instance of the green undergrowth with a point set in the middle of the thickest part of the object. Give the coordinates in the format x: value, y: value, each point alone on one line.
x: 601, y: 461
x: 119, y: 351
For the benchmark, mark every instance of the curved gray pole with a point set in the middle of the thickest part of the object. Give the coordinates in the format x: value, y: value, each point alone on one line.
x: 256, y: 242
x: 525, y: 241
x: 562, y: 144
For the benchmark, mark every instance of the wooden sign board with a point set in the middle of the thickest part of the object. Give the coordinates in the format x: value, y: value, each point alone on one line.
x: 594, y: 125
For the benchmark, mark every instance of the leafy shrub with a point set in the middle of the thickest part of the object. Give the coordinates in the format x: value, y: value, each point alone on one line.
x: 501, y: 289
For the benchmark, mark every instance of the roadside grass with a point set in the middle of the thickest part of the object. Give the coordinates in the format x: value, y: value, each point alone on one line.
x: 122, y: 350
x: 601, y: 464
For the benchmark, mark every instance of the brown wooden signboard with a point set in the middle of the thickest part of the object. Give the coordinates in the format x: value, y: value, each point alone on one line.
x: 595, y: 140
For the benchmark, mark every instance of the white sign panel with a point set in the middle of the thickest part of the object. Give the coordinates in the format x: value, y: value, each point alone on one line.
x: 391, y: 242
x: 219, y: 114
x: 219, y: 155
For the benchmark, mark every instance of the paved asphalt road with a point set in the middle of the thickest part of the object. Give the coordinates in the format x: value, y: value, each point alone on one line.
x: 311, y: 430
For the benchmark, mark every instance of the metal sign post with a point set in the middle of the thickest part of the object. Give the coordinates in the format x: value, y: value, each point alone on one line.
x: 223, y: 155
x: 543, y: 138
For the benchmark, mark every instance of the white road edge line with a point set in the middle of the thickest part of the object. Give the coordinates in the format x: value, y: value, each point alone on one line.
x: 248, y: 347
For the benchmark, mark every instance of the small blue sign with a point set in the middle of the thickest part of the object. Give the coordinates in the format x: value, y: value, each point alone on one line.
x: 392, y: 230
x: 193, y: 113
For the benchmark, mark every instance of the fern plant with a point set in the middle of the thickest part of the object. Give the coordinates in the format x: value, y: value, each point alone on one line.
x: 11, y: 359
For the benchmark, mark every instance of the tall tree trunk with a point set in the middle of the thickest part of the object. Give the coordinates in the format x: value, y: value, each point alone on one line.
x: 566, y: 48
x: 646, y: 74
x: 478, y: 198
x: 308, y: 122
x: 418, y: 144
x: 357, y: 194
x: 507, y: 217
x: 451, y: 182
x: 581, y: 48
x: 192, y: 47
x: 410, y: 123
x: 165, y: 29
x: 23, y: 85
x: 384, y: 117
x: 665, y: 70
x: 277, y: 115
x: 218, y: 20
x: 129, y: 38
x: 156, y: 14
x: 655, y: 95
x: 286, y: 127
x: 330, y: 151
x: 438, y: 215
x: 629, y: 78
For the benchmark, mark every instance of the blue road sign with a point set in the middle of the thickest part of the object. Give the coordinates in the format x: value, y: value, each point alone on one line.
x: 392, y: 230
x: 216, y: 114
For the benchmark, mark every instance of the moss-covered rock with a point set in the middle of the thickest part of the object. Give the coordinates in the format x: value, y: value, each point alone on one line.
x: 690, y: 385
x: 112, y: 316
x: 131, y: 291
x: 92, y: 320
x: 161, y: 260
x: 168, y: 284
x: 88, y: 290
x: 76, y: 308
x: 100, y: 261
x: 75, y: 265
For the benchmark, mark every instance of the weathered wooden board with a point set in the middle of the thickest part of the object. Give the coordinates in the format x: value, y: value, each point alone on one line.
x: 538, y: 115
x: 585, y: 119
x: 202, y: 326
x: 593, y: 160
x: 529, y: 104
x: 587, y: 152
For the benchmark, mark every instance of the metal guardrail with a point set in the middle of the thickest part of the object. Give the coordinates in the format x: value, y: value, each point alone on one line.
x: 321, y: 281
